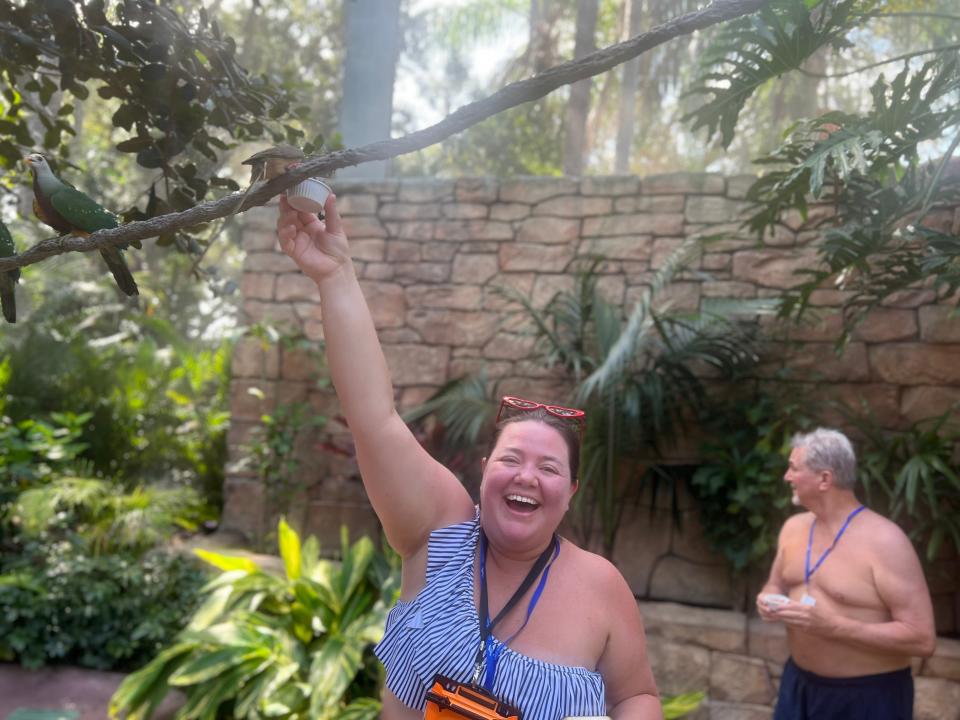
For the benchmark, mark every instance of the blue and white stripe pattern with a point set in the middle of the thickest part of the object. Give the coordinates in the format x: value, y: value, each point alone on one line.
x: 439, y: 632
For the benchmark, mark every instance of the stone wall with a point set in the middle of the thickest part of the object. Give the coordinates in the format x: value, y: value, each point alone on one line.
x: 738, y: 661
x: 431, y: 255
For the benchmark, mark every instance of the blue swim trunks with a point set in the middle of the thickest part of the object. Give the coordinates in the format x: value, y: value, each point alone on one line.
x: 806, y: 696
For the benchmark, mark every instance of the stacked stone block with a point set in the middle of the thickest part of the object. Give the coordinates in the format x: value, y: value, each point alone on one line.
x: 737, y: 661
x: 434, y: 258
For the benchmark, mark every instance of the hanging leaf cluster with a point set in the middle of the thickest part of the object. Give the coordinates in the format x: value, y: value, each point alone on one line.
x: 176, y: 85
x: 748, y: 52
x: 890, y: 228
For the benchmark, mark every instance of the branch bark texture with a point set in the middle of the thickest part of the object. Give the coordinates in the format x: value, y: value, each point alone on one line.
x: 507, y: 97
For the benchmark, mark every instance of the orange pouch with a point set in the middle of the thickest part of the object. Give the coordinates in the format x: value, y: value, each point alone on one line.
x: 448, y: 699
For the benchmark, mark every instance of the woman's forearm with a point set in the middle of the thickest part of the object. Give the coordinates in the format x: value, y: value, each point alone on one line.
x: 357, y: 365
x: 638, y: 707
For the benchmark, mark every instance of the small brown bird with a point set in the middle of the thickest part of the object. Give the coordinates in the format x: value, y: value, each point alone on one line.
x: 268, y: 164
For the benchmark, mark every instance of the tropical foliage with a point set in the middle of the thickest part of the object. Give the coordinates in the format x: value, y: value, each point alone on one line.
x: 81, y: 579
x: 680, y: 706
x: 739, y: 484
x: 60, y: 604
x: 884, y: 232
x: 749, y: 52
x: 912, y: 475
x: 640, y: 376
x: 158, y: 69
x: 884, y: 235
x: 292, y: 647
x: 153, y: 396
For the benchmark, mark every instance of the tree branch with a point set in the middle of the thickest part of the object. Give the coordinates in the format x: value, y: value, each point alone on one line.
x: 887, y: 61
x: 507, y: 97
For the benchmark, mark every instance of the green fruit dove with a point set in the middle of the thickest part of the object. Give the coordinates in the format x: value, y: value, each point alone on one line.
x: 67, y: 210
x: 8, y: 278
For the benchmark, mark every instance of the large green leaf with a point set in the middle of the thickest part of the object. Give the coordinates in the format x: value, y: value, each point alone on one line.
x: 213, y: 663
x: 227, y: 562
x: 146, y: 688
x: 212, y: 608
x: 747, y: 53
x: 289, y: 549
x: 362, y: 709
x: 678, y: 706
x: 353, y: 568
x: 332, y: 671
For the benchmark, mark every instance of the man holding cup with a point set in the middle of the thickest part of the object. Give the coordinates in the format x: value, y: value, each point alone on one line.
x: 849, y: 587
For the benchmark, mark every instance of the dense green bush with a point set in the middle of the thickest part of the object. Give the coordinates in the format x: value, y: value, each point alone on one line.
x: 80, y: 579
x: 912, y: 477
x: 153, y: 397
x: 60, y: 605
x: 909, y: 475
x: 739, y: 485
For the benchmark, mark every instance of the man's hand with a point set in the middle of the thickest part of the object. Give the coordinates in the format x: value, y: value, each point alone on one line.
x: 809, y: 618
x: 766, y: 609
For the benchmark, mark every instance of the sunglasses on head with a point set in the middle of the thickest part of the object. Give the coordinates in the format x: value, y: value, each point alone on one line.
x: 558, y: 411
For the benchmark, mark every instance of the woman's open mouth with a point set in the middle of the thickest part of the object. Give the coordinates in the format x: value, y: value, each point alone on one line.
x: 521, y: 503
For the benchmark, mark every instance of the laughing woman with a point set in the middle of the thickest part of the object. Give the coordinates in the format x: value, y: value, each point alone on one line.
x: 495, y: 606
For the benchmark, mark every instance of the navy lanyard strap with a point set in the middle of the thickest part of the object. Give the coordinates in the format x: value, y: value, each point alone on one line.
x: 487, y: 651
x: 807, y: 572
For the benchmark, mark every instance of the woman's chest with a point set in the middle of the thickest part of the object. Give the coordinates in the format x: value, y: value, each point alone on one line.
x: 562, y: 624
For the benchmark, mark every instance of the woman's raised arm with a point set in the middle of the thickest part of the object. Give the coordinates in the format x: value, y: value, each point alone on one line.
x: 411, y: 492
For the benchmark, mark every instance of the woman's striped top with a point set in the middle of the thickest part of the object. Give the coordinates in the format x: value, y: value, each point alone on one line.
x: 439, y: 632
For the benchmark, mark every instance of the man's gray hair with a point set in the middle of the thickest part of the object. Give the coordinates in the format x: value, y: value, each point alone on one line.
x: 829, y: 449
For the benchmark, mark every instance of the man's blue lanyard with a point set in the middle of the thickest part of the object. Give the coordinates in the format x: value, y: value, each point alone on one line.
x: 488, y: 652
x: 807, y: 572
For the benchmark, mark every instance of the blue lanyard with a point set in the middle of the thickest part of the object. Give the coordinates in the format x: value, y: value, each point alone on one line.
x: 489, y: 652
x: 807, y: 572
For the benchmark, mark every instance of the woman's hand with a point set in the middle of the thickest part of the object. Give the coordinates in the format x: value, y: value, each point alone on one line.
x: 318, y: 247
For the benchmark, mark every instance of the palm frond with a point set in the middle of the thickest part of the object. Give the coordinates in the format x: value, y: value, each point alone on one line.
x: 464, y: 407
x: 463, y: 24
x: 107, y: 516
x: 640, y: 324
x: 38, y: 507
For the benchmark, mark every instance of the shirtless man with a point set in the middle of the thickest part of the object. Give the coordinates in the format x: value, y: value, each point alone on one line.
x: 858, y: 607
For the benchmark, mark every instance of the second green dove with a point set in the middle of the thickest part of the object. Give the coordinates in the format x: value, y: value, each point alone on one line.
x: 67, y: 210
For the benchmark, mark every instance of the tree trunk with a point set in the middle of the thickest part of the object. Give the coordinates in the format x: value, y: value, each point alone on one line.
x: 626, y: 118
x: 372, y: 38
x: 578, y: 106
x: 539, y: 55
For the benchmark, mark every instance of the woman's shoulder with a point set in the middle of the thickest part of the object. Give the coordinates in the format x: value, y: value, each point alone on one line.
x: 592, y: 570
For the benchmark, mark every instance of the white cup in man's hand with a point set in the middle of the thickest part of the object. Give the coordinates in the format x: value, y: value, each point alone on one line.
x: 774, y: 600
